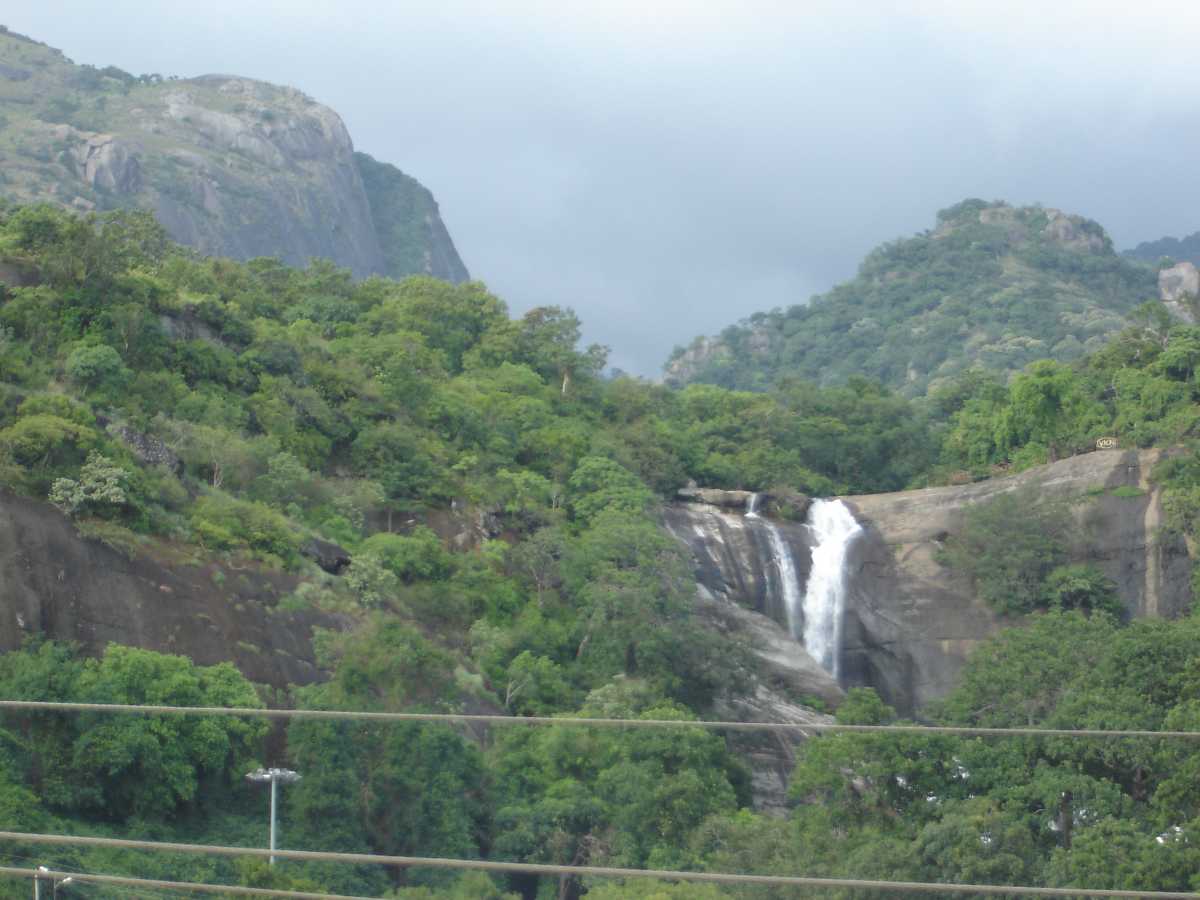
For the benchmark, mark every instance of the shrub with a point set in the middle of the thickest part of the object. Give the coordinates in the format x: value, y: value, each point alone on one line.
x: 416, y: 556
x: 1082, y: 586
x: 99, y: 488
x: 223, y: 522
x: 95, y: 367
x: 372, y: 582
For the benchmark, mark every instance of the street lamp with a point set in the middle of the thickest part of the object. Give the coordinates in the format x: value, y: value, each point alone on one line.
x: 55, y: 883
x: 276, y: 777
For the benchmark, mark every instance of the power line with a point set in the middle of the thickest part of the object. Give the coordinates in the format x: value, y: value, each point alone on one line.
x: 43, y: 861
x: 128, y: 881
x: 474, y: 719
x: 594, y: 871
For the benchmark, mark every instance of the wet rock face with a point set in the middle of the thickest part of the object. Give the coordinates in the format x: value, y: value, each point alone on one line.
x: 911, y: 622
x: 733, y: 598
x: 733, y: 556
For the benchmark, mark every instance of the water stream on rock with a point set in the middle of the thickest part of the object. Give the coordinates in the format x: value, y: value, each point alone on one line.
x: 815, y: 617
x: 781, y: 555
x: 834, y: 528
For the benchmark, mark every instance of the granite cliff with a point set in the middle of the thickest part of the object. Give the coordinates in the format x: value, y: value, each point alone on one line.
x: 230, y: 166
x: 910, y: 622
x: 56, y: 583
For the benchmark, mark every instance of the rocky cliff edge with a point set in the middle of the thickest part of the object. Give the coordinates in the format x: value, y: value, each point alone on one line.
x: 912, y: 622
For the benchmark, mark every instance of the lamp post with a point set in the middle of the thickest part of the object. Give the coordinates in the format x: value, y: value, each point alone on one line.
x: 275, y: 777
x: 55, y: 883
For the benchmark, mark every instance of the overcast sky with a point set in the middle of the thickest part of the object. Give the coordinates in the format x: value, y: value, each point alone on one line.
x: 667, y: 168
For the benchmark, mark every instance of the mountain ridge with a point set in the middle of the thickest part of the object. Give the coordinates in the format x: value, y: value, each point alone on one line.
x: 231, y: 166
x: 991, y: 286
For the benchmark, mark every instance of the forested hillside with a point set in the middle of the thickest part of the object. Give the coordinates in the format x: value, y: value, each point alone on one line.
x: 991, y: 286
x: 1185, y: 249
x: 195, y: 409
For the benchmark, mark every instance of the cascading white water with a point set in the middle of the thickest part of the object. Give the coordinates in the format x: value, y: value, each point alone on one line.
x: 834, y: 529
x: 781, y: 556
x: 815, y: 617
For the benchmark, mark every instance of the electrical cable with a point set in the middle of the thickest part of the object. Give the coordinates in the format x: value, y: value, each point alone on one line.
x: 475, y: 719
x: 129, y: 881
x: 595, y: 871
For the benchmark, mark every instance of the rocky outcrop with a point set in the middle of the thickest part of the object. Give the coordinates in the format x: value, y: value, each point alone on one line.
x: 715, y: 497
x: 331, y: 557
x: 1179, y: 288
x: 56, y: 583
x: 147, y: 448
x: 733, y: 556
x: 1178, y: 282
x: 106, y: 163
x: 411, y: 233
x: 231, y: 166
x: 911, y: 622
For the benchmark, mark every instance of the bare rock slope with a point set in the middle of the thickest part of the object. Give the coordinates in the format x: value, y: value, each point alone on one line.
x: 55, y: 583
x: 231, y: 166
x: 912, y: 622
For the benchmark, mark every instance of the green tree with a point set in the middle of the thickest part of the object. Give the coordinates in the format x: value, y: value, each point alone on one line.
x: 96, y: 367
x: 120, y: 766
x: 1082, y: 586
x: 101, y: 486
x: 599, y: 484
x: 1008, y: 546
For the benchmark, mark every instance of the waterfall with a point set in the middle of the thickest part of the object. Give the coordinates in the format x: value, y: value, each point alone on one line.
x: 834, y: 528
x: 815, y: 617
x: 781, y: 556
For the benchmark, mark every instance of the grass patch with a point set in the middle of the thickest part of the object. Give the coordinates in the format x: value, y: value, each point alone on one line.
x: 1127, y: 490
x: 110, y: 534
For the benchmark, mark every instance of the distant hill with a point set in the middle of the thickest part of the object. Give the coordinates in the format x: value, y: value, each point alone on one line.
x: 1179, y: 249
x: 231, y: 166
x: 991, y: 285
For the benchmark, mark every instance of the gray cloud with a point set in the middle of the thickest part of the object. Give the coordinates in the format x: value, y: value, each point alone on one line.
x: 667, y: 170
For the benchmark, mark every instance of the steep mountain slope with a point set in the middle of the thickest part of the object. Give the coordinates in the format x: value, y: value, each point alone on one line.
x: 991, y: 285
x: 411, y: 232
x: 231, y: 166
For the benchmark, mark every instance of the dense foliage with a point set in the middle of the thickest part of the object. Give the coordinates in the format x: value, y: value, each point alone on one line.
x: 990, y: 286
x: 1184, y: 249
x: 939, y: 808
x: 164, y: 401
